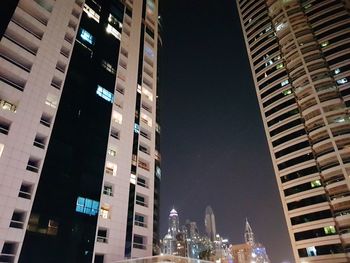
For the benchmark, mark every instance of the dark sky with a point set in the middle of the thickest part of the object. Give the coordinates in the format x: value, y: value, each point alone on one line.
x: 214, y: 150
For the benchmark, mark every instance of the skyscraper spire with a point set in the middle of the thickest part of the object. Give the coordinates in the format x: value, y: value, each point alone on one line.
x: 248, y: 233
x: 174, y: 222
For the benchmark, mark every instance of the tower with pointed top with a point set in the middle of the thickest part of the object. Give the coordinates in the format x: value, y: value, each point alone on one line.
x: 174, y: 222
x: 248, y: 233
x: 209, y: 221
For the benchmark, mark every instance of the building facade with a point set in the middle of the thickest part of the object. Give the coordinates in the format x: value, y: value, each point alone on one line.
x: 79, y: 130
x: 209, y: 222
x: 299, y: 53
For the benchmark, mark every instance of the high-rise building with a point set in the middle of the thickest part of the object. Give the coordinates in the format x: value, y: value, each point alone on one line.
x: 174, y: 222
x: 79, y: 130
x: 209, y: 222
x: 300, y: 61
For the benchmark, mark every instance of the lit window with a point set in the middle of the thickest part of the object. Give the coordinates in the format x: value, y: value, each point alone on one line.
x: 136, y: 128
x: 287, y: 92
x: 51, y: 100
x: 108, y: 66
x: 316, y: 183
x: 105, y: 94
x: 86, y: 36
x: 87, y: 206
x: 158, y: 172
x: 1, y: 148
x: 311, y: 251
x: 337, y: 71
x: 149, y: 51
x: 281, y: 26
x: 5, y: 105
x: 104, y: 211
x: 91, y: 13
x: 329, y: 230
x: 132, y: 178
x: 324, y: 44
x: 150, y: 7
x: 111, y: 169
x: 279, y: 66
x: 342, y: 81
x: 113, y: 31
x: 117, y: 117
x: 114, y: 22
x: 112, y: 152
x: 146, y: 119
x: 307, y: 6
x: 284, y: 83
x: 268, y: 63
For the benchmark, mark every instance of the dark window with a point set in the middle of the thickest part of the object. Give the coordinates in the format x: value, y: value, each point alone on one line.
x: 283, y: 117
x: 280, y: 107
x: 307, y: 201
x: 311, y: 217
x: 299, y: 174
x: 285, y: 127
x: 273, y: 79
x: 302, y: 187
x: 314, y: 233
x: 296, y: 160
x: 332, y: 21
x: 269, y: 53
x: 289, y: 137
x: 269, y: 44
x: 331, y: 31
x: 292, y: 148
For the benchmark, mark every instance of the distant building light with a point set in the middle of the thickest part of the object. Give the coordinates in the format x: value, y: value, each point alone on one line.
x: 342, y: 81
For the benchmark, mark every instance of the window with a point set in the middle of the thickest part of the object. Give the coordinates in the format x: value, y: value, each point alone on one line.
x: 33, y: 165
x: 91, y: 13
x: 140, y: 200
x: 86, y: 36
x: 279, y: 66
x: 107, y: 66
x: 87, y: 206
x: 111, y: 152
x: 117, y: 117
x: 113, y: 31
x: 108, y: 190
x: 17, y: 220
x: 336, y: 71
x: 329, y: 230
x: 149, y: 51
x: 324, y: 44
x: 139, y: 242
x: 4, y: 126
x: 111, y: 169
x: 311, y: 251
x: 1, y: 148
x: 102, y: 235
x: 342, y: 81
x: 104, y: 211
x: 140, y: 220
x: 8, y: 252
x: 146, y: 119
x: 287, y: 92
x: 148, y: 94
x: 5, y: 105
x: 136, y: 128
x: 316, y: 183
x: 25, y: 191
x: 105, y: 94
x: 51, y: 100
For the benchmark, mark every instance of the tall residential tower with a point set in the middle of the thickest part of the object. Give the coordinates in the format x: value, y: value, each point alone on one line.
x: 79, y: 130
x: 299, y: 53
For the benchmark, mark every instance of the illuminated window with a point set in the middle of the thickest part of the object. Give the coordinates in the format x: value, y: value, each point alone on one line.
x: 324, y: 44
x: 104, y: 211
x: 86, y: 36
x: 148, y: 94
x: 279, y: 66
x: 113, y: 31
x: 136, y: 128
x: 284, y: 83
x: 112, y: 152
x: 316, y: 183
x: 114, y: 22
x: 150, y: 7
x: 105, y: 94
x: 342, y: 81
x: 108, y: 66
x: 329, y: 230
x: 91, y: 13
x: 146, y: 119
x: 52, y: 100
x: 5, y: 105
x: 281, y: 26
x: 336, y: 71
x: 149, y: 51
x: 1, y: 148
x: 311, y: 251
x: 117, y: 117
x: 287, y: 92
x: 87, y: 206
x: 111, y: 169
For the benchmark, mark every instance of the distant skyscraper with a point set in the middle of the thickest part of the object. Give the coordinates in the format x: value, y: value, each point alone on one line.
x: 248, y: 233
x: 79, y: 130
x: 300, y: 60
x: 209, y: 221
x: 174, y: 224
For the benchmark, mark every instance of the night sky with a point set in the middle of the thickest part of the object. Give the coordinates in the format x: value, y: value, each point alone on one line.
x: 214, y: 150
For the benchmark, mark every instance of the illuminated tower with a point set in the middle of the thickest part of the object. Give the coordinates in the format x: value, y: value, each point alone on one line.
x: 209, y: 222
x: 174, y: 223
x: 79, y: 131
x: 248, y: 233
x: 299, y: 56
